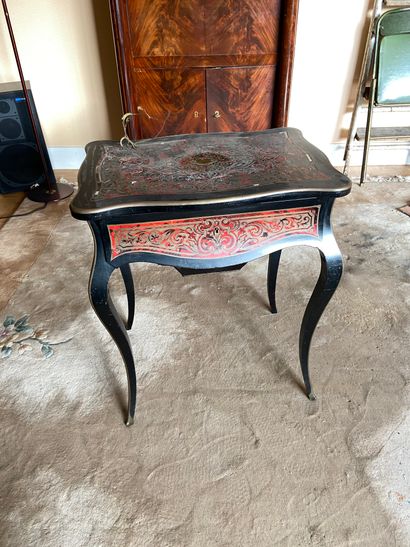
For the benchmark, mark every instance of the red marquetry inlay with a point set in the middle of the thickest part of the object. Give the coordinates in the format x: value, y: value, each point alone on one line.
x: 212, y: 237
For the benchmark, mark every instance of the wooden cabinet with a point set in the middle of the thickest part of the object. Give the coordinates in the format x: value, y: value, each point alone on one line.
x: 192, y: 66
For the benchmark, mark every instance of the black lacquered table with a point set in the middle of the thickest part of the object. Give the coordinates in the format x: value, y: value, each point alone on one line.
x: 207, y: 202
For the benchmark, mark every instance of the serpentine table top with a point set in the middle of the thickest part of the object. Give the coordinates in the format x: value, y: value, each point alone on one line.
x: 203, y: 169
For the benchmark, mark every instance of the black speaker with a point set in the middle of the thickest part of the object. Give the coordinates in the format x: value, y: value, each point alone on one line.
x: 21, y: 167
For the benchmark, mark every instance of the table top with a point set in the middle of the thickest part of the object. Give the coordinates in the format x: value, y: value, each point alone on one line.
x: 203, y: 168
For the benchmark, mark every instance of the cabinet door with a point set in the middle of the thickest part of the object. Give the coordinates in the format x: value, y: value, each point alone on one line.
x: 170, y: 102
x: 240, y: 99
x: 242, y: 27
x: 159, y: 28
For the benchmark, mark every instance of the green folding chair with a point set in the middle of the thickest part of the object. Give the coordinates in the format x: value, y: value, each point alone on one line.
x: 390, y: 84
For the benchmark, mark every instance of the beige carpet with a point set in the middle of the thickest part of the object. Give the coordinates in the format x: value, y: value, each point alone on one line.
x: 226, y: 449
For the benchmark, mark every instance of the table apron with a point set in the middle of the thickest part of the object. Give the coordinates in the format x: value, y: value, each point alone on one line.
x: 216, y: 240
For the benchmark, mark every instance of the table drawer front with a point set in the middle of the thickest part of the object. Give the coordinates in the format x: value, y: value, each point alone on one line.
x: 212, y: 237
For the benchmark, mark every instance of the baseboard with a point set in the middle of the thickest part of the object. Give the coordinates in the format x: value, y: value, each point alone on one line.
x: 381, y: 153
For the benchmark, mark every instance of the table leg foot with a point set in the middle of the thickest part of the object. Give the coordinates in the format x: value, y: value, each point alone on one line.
x: 331, y: 271
x: 130, y: 421
x: 129, y: 286
x: 311, y: 396
x: 273, y: 266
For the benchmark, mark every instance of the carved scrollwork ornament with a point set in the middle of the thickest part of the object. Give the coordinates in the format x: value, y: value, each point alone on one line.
x: 125, y: 140
x: 125, y: 120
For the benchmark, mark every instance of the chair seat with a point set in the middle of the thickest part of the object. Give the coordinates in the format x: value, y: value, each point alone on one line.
x: 202, y: 168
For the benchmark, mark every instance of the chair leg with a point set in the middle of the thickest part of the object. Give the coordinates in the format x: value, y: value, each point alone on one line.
x: 330, y: 274
x: 129, y: 287
x: 358, y: 102
x: 365, y: 72
x: 273, y: 267
x: 368, y: 131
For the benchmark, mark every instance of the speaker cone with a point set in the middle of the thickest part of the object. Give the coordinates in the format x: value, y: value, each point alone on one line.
x: 30, y: 168
x: 4, y: 107
x: 10, y: 129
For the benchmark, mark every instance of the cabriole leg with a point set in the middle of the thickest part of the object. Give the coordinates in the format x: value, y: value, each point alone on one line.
x: 129, y: 286
x: 273, y: 266
x: 331, y: 271
x: 108, y: 315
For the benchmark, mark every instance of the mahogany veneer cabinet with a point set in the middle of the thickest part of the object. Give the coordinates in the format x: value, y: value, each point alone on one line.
x: 196, y: 66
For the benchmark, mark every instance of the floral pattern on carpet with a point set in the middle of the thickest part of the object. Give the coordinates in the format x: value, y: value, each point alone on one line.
x: 18, y: 335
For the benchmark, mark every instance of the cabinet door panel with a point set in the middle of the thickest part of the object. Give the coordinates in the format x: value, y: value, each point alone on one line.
x: 163, y: 28
x: 170, y: 102
x: 240, y: 99
x: 242, y: 27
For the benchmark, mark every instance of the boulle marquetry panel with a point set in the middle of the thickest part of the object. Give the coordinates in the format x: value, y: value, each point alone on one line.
x: 212, y: 237
x: 201, y: 167
x: 251, y: 42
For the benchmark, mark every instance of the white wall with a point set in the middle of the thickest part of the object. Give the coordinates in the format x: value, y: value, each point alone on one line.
x: 327, y: 46
x: 71, y: 67
x: 67, y: 52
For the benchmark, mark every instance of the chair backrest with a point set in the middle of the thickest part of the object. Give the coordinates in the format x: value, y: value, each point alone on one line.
x: 393, y: 57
